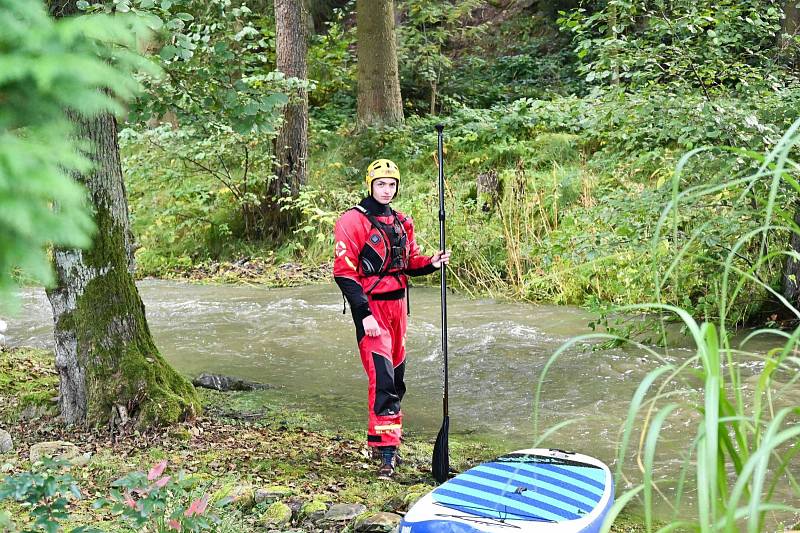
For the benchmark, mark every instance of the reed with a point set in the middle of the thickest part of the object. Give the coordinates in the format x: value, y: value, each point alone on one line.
x: 744, y: 438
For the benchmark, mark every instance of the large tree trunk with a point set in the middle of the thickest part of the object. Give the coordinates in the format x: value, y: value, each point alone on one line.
x: 379, y: 101
x: 791, y: 21
x: 291, y: 146
x: 789, y: 26
x: 105, y: 356
x: 108, y: 365
x: 791, y: 275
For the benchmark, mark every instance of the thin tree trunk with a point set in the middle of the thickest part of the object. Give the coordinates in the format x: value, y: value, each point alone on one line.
x: 291, y: 146
x: 612, y: 33
x: 108, y: 364
x: 379, y: 101
x: 791, y: 274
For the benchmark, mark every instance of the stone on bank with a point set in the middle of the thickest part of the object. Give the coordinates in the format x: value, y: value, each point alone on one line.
x: 6, y: 443
x: 277, y: 515
x: 377, y: 523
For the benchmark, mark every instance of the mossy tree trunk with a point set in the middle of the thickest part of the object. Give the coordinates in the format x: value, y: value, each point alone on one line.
x: 109, y: 367
x: 291, y: 145
x: 379, y: 101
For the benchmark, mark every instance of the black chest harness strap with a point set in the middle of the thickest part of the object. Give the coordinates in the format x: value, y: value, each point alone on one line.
x: 392, y: 249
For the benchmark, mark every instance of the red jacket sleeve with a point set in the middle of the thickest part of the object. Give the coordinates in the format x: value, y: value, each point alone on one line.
x: 348, y: 239
x: 418, y: 265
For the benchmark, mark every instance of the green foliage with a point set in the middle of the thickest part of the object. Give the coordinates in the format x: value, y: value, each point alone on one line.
x: 227, y: 105
x: 429, y: 27
x: 150, y: 502
x: 708, y: 45
x: 528, y: 71
x: 47, y: 491
x: 332, y: 63
x: 450, y: 54
x: 185, y: 207
x: 217, y: 81
x: 525, y: 57
x: 160, y: 503
x: 739, y: 424
x: 319, y: 209
x: 46, y: 66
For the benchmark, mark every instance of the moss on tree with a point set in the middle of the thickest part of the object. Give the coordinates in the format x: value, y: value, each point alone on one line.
x: 122, y: 365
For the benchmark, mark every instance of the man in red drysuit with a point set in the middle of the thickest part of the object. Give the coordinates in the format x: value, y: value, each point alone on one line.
x: 375, y: 251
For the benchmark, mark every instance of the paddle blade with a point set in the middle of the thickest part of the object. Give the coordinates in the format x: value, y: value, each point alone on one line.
x: 441, y: 456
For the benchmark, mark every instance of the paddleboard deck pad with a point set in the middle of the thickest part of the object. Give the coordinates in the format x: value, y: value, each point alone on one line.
x: 538, y: 489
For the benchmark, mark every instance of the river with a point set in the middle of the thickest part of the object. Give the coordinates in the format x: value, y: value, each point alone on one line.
x: 298, y: 340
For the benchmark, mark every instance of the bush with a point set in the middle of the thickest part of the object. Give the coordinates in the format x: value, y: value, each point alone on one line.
x: 46, y: 490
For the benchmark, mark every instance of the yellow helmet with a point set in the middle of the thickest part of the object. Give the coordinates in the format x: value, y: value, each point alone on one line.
x: 382, y: 168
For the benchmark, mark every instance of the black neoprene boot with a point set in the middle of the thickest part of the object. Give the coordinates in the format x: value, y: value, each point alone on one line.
x: 388, y: 462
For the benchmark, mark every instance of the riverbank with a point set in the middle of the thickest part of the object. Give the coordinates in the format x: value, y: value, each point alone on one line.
x: 280, y: 468
x: 250, y: 270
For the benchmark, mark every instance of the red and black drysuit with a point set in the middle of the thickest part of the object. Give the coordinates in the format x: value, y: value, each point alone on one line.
x: 375, y: 251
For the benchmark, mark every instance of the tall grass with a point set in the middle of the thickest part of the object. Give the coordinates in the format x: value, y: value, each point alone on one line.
x: 744, y: 437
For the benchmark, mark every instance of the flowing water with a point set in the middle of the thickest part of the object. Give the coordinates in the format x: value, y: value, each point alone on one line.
x: 298, y: 340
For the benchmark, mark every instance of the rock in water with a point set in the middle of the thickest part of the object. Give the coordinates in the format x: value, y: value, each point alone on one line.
x: 225, y: 383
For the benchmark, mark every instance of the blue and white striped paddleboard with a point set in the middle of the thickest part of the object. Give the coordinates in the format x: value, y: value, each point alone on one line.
x: 541, y: 490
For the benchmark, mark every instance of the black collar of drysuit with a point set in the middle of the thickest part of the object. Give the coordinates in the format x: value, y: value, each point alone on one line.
x: 375, y: 208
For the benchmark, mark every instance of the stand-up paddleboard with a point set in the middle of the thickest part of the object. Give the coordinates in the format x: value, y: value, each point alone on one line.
x: 535, y: 490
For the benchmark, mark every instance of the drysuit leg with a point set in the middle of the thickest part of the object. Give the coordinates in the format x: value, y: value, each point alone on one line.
x: 385, y: 390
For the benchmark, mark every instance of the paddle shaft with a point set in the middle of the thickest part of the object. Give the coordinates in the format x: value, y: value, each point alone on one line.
x: 440, y: 463
x: 440, y: 158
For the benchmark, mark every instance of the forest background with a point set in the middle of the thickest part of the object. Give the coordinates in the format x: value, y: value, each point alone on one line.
x: 564, y: 126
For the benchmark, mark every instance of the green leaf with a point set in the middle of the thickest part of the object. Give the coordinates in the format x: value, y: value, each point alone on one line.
x: 274, y: 100
x: 168, y: 52
x: 251, y: 108
x: 152, y: 21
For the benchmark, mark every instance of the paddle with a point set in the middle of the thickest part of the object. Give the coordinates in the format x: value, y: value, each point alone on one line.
x: 441, y: 459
